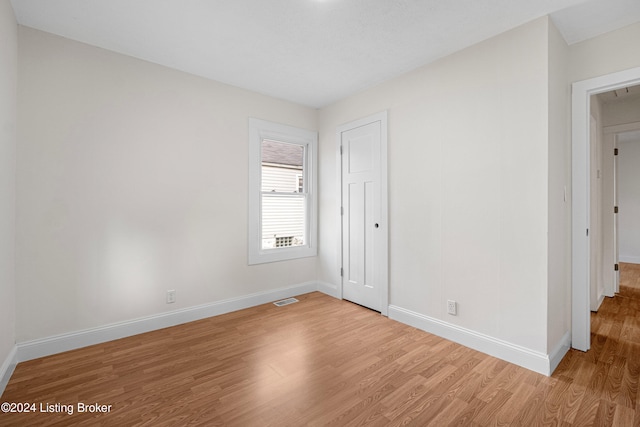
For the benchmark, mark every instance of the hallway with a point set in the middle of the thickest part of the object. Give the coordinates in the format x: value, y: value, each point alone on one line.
x: 605, y: 378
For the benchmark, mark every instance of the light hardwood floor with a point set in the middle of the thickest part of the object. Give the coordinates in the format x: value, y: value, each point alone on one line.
x: 327, y: 362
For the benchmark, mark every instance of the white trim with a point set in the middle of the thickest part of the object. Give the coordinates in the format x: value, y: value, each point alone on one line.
x: 608, y: 201
x: 7, y: 368
x: 521, y: 356
x: 629, y: 259
x: 260, y: 130
x: 329, y: 289
x: 627, y: 127
x: 384, y: 203
x: 555, y: 357
x: 582, y: 91
x: 339, y: 211
x: 383, y: 258
x: 64, y: 342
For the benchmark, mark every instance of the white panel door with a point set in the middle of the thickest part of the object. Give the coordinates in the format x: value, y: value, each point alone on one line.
x: 364, y: 231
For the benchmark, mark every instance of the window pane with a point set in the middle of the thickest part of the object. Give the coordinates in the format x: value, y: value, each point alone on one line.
x: 283, y: 221
x: 282, y: 167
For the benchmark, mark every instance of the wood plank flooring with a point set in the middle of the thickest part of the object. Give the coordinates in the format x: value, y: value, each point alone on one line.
x: 328, y: 362
x: 630, y: 280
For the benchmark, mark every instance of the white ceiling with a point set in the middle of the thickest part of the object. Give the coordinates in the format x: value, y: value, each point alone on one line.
x: 312, y: 52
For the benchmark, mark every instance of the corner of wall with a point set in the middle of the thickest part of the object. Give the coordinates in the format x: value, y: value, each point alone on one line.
x: 7, y: 368
x: 559, y: 188
x: 8, y: 138
x: 512, y: 353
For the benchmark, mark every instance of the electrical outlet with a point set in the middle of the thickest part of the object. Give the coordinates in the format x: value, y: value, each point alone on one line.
x: 452, y: 307
x: 171, y: 296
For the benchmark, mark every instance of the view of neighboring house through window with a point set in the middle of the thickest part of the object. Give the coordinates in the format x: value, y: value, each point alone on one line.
x: 282, y: 196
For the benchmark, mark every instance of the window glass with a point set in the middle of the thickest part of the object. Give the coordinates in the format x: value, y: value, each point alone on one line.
x: 283, y: 219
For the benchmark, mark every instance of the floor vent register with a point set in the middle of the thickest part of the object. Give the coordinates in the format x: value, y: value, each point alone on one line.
x: 285, y: 302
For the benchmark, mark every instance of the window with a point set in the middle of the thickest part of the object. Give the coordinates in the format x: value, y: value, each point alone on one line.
x: 284, y: 241
x: 282, y: 196
x: 299, y: 183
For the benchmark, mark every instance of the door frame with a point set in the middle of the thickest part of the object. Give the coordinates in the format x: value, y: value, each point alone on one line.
x: 581, y: 193
x: 595, y: 208
x: 384, y: 210
x: 611, y: 142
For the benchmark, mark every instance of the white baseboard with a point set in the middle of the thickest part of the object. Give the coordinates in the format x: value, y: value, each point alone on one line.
x: 629, y: 259
x: 555, y: 357
x: 521, y: 356
x: 329, y: 289
x: 7, y: 367
x: 518, y: 355
x: 57, y: 344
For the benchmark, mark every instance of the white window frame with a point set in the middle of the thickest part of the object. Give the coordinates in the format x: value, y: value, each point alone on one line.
x: 260, y: 130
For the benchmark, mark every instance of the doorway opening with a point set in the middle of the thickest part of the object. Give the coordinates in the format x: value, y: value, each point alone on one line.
x: 583, y: 222
x: 627, y: 221
x: 614, y: 133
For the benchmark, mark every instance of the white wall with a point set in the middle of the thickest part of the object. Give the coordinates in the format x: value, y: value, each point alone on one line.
x: 468, y: 186
x: 629, y: 201
x: 605, y: 54
x: 119, y: 198
x: 596, y: 211
x: 623, y: 111
x: 597, y: 57
x: 558, y: 247
x: 8, y: 84
x: 132, y: 180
